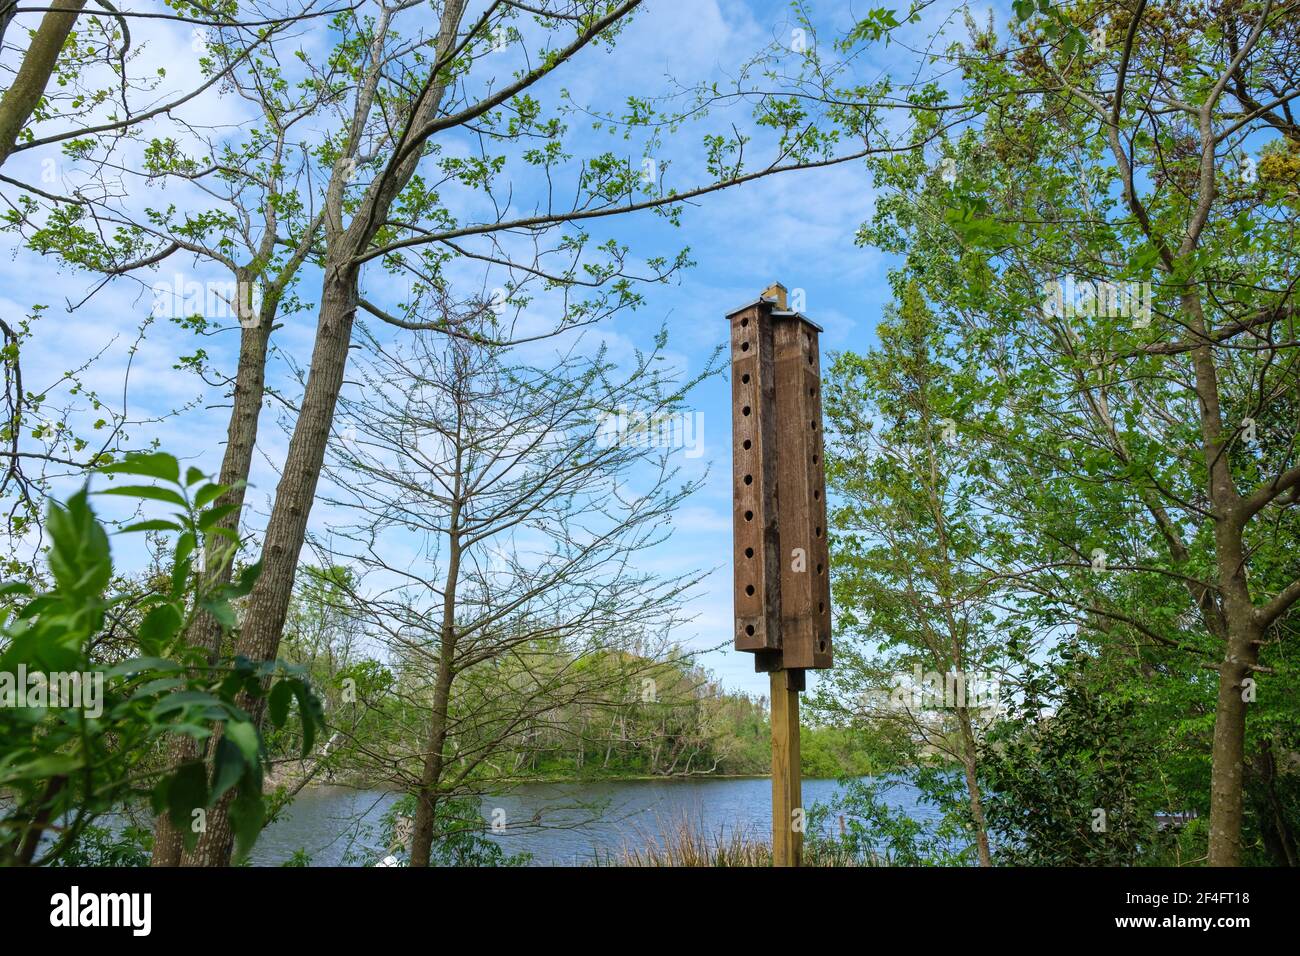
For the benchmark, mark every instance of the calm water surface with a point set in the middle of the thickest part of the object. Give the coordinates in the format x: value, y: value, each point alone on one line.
x: 559, y: 824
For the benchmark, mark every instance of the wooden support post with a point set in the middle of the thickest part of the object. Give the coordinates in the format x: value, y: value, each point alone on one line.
x: 787, y: 782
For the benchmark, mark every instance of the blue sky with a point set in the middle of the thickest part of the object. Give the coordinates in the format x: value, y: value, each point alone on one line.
x: 797, y: 228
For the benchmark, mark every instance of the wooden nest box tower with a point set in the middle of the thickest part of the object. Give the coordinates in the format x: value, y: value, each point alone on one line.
x: 782, y: 563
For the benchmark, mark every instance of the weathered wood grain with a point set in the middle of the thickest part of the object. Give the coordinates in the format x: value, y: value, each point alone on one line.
x: 754, y: 481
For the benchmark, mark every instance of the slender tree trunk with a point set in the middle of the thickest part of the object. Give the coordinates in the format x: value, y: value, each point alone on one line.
x: 20, y: 100
x: 241, y: 437
x: 970, y: 764
x: 427, y: 795
x: 20, y: 846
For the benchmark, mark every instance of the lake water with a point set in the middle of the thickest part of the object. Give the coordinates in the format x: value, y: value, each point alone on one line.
x: 559, y: 824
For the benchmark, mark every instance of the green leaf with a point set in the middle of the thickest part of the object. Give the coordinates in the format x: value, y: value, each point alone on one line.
x: 184, y: 547
x: 221, y: 610
x: 185, y: 698
x: 208, y: 494
x: 154, y: 465
x: 154, y: 524
x: 278, y: 706
x: 247, y: 578
x: 213, y: 515
x: 180, y: 578
x: 155, y: 687
x: 1143, y: 259
x: 187, y: 791
x: 141, y: 665
x: 54, y: 765
x: 247, y: 815
x: 150, y: 492
x: 313, y: 714
x: 79, y: 552
x: 159, y: 627
x: 244, y: 736
x: 227, y: 768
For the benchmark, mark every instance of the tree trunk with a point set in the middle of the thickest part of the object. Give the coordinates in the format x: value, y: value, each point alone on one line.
x: 34, y: 74
x: 1228, y: 754
x: 427, y: 796
x: 1241, y: 647
x: 268, y: 604
x: 241, y: 437
x: 970, y: 764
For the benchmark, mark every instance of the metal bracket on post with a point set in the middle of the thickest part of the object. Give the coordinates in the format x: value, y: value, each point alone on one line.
x: 782, y: 563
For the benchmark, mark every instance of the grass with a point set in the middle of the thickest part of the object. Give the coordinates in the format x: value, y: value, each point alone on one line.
x: 684, y: 842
